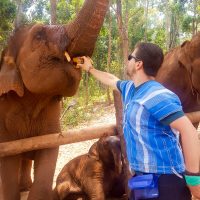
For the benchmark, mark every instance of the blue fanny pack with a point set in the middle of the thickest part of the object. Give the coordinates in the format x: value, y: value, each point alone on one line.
x: 144, y: 186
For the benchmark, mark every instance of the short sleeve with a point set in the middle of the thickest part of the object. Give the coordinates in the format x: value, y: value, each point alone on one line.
x: 126, y: 88
x: 162, y: 104
x: 172, y: 117
x: 121, y: 85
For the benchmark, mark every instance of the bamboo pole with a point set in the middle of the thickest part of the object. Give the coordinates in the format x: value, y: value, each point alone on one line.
x: 119, y: 126
x: 53, y: 140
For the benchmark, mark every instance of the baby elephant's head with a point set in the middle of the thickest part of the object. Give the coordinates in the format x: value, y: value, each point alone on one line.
x: 108, y: 150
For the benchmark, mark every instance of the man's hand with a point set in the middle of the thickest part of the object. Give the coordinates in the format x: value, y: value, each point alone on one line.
x: 104, y: 77
x: 87, y: 63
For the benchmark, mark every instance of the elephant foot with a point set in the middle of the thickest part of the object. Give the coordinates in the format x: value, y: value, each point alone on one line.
x: 25, y: 175
x: 25, y: 186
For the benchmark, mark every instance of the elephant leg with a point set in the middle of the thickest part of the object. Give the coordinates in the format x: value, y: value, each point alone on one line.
x: 9, y: 171
x: 25, y: 175
x: 62, y: 190
x: 94, y: 190
x: 1, y: 190
x: 44, y: 168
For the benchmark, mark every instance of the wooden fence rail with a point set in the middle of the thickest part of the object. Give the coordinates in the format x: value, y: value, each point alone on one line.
x: 53, y: 140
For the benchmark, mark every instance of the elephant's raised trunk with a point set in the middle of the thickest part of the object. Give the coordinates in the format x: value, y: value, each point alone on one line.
x: 84, y: 30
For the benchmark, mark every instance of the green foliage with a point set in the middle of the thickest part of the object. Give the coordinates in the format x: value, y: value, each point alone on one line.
x: 192, y: 14
x: 7, y: 16
x: 67, y: 10
x: 159, y: 37
x: 37, y: 11
x: 63, y: 14
x: 101, y: 49
x: 187, y: 24
x: 81, y: 112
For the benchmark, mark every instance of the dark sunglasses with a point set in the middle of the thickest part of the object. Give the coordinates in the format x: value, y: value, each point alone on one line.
x: 133, y: 57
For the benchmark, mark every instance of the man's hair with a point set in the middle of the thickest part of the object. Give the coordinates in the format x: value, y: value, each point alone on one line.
x: 151, y: 55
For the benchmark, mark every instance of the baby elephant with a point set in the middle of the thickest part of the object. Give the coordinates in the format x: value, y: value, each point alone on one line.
x: 95, y: 175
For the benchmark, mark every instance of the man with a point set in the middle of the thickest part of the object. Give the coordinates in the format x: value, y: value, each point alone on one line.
x: 153, y: 120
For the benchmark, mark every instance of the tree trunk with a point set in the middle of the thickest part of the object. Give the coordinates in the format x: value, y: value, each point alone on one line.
x: 146, y: 19
x: 53, y: 11
x: 194, y: 20
x: 119, y: 126
x: 19, y: 15
x: 109, y: 52
x: 167, y: 24
x: 123, y: 30
x: 173, y: 31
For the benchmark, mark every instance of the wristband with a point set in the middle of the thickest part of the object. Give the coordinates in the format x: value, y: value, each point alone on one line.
x: 192, y: 180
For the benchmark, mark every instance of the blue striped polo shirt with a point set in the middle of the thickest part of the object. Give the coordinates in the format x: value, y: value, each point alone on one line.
x: 152, y: 145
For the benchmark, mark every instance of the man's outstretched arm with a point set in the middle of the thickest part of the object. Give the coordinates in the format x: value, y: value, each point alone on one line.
x: 104, y: 77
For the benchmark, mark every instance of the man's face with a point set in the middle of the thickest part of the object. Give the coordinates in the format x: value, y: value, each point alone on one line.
x: 130, y: 69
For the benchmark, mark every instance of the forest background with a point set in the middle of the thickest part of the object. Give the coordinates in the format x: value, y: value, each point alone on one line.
x: 167, y: 23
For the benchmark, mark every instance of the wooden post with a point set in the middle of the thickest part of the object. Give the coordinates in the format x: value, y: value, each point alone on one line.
x: 53, y: 140
x: 119, y: 126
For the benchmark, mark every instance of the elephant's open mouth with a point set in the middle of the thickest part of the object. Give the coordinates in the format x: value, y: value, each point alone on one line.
x: 61, y: 59
x: 56, y: 58
x: 52, y: 60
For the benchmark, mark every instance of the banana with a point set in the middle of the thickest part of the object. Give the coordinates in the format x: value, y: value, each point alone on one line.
x: 67, y: 56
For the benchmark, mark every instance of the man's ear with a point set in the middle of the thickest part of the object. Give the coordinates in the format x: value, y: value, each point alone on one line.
x: 139, y: 65
x: 10, y: 77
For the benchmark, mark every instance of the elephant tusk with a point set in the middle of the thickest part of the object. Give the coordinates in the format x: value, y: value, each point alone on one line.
x: 67, y: 56
x: 76, y: 60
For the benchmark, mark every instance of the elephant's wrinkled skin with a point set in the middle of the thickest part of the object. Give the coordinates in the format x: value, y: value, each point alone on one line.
x: 180, y: 72
x: 34, y: 75
x: 95, y: 175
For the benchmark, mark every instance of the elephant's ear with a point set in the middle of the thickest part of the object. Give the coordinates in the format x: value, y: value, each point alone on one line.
x: 93, y: 151
x: 105, y: 151
x: 183, y: 56
x: 110, y: 152
x: 10, y: 78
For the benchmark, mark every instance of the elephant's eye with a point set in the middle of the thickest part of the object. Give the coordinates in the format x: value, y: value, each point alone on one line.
x: 40, y: 35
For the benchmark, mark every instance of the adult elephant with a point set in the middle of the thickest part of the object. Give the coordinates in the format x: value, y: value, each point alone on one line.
x: 34, y: 75
x: 180, y: 72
